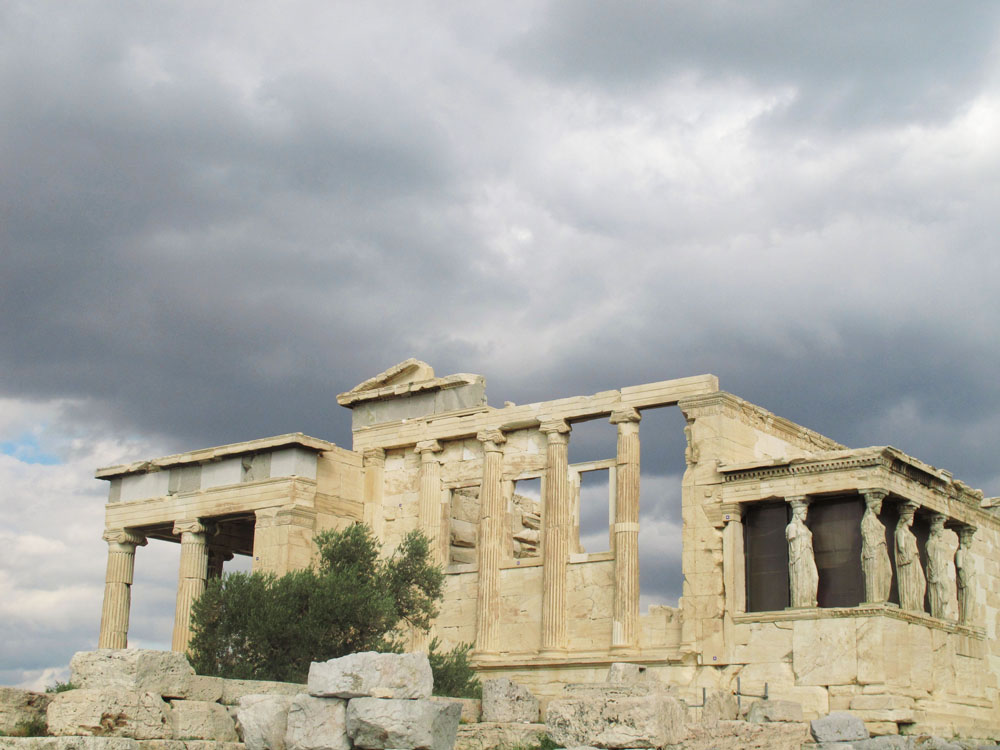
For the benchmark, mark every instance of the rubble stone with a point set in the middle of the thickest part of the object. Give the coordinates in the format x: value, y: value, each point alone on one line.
x: 472, y: 708
x: 380, y: 724
x: 488, y: 736
x: 767, y: 710
x: 263, y: 720
x: 165, y: 673
x: 234, y: 690
x: 18, y: 706
x: 110, y: 712
x: 652, y: 720
x: 201, y: 720
x: 402, y: 676
x: 839, y: 726
x: 316, y: 724
x: 507, y: 702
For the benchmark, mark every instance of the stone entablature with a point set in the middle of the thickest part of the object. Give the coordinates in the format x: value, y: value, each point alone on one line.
x: 430, y: 454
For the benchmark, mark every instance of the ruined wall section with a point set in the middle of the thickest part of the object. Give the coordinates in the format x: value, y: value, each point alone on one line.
x: 723, y: 429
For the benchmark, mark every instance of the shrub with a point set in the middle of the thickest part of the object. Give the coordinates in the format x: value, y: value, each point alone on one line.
x: 454, y: 677
x: 265, y: 627
x: 60, y: 687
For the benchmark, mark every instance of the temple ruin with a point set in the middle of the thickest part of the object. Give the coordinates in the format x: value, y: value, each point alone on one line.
x: 843, y: 579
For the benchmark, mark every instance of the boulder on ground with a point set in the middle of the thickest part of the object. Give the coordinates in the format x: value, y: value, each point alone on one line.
x: 402, y: 676
x: 21, y: 706
x: 839, y: 726
x: 201, y: 720
x: 263, y: 720
x: 617, y: 721
x: 384, y: 723
x: 768, y: 710
x: 505, y: 701
x: 165, y: 673
x: 110, y: 713
x: 317, y: 724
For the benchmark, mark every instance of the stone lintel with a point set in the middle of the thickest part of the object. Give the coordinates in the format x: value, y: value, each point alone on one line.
x: 296, y: 439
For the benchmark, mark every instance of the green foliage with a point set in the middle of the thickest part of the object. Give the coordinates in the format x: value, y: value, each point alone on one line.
x: 34, y: 727
x: 60, y: 687
x: 264, y: 627
x: 544, y: 743
x: 453, y: 676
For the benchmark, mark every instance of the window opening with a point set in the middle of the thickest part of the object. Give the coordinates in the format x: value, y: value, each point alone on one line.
x: 526, y: 517
x: 593, y: 507
x: 463, y: 525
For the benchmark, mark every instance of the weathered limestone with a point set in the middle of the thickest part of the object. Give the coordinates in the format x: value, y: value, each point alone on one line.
x: 556, y: 509
x: 839, y: 726
x: 940, y: 571
x: 768, y: 710
x: 625, y: 623
x: 317, y: 724
x: 404, y: 676
x: 489, y: 736
x: 625, y: 673
x: 118, y: 587
x: 17, y: 706
x: 191, y: 579
x: 201, y: 720
x: 429, y: 519
x: 490, y: 547
x: 874, y: 552
x: 616, y: 721
x: 803, y: 578
x: 165, y: 673
x: 507, y: 702
x: 233, y: 691
x: 909, y: 573
x: 110, y: 712
x: 263, y: 721
x: 966, y: 576
x: 383, y: 723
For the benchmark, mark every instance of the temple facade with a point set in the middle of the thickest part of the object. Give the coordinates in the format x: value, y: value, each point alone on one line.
x: 843, y: 579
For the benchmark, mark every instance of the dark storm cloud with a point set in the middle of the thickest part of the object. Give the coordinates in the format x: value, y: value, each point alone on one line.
x: 851, y: 63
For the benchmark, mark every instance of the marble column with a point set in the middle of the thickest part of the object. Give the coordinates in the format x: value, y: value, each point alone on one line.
x: 940, y: 571
x: 803, y: 578
x: 490, y: 544
x: 733, y: 558
x: 191, y: 581
x: 875, y: 562
x: 966, y: 570
x: 118, y: 587
x: 909, y: 573
x: 555, y: 535
x: 625, y: 625
x: 373, y: 463
x: 429, y: 512
x: 217, y: 558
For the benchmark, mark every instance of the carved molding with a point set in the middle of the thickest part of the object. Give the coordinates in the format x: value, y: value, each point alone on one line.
x: 625, y: 414
x: 491, y: 440
x: 373, y: 457
x: 427, y: 447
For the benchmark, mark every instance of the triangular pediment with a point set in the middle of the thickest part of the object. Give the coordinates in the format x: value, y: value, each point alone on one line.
x: 408, y: 371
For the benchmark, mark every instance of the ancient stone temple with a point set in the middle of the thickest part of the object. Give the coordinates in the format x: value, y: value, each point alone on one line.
x: 843, y: 579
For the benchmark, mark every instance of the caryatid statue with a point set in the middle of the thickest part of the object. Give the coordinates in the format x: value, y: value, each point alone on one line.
x: 874, y: 550
x: 940, y: 571
x: 966, y: 575
x: 803, y: 579
x: 909, y: 574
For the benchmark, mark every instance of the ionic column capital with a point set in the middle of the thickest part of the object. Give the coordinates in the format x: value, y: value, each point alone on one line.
x: 427, y: 449
x: 556, y: 430
x: 124, y: 536
x: 624, y: 415
x: 491, y: 440
x: 373, y: 456
x: 190, y: 526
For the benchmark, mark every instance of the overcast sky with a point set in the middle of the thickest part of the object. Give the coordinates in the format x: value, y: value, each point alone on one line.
x: 214, y: 217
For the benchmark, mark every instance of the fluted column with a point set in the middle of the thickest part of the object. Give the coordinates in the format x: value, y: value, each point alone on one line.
x: 625, y: 627
x: 429, y: 513
x: 490, y: 546
x: 118, y: 587
x: 191, y: 581
x: 373, y: 461
x: 555, y: 535
x: 217, y: 558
